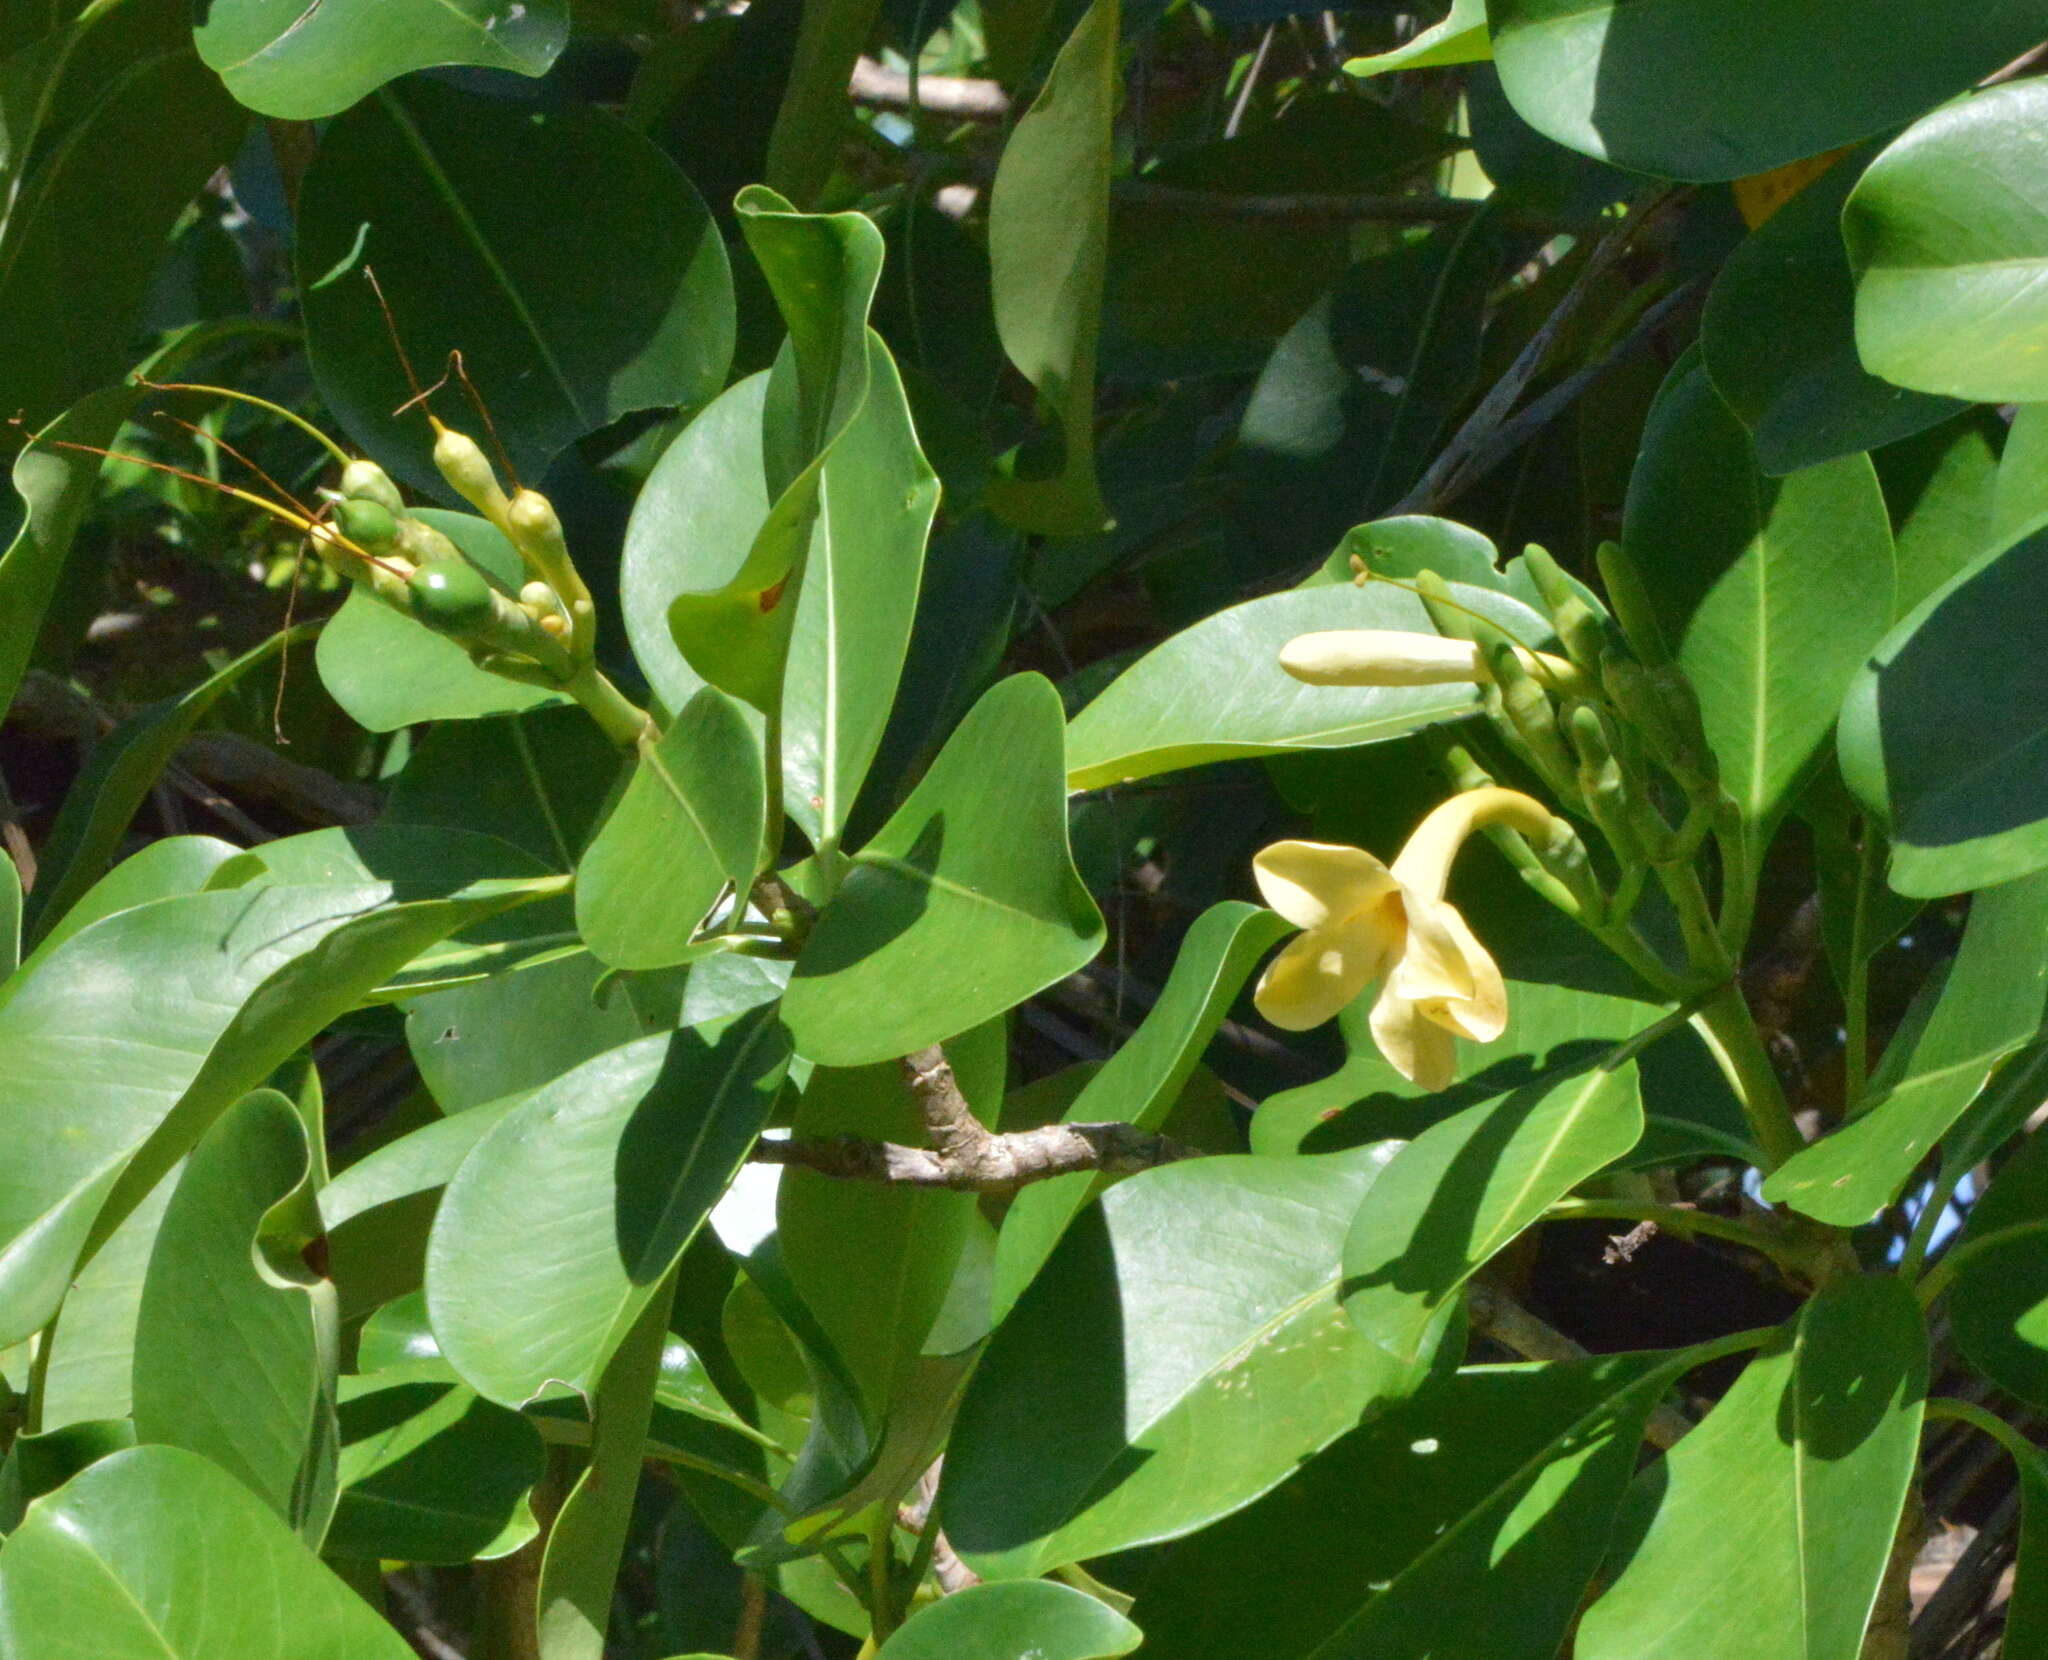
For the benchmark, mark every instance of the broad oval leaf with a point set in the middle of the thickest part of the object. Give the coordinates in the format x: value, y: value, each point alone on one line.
x: 1771, y: 591
x: 1460, y: 38
x: 1765, y: 82
x: 1944, y: 726
x: 307, y: 59
x: 1784, y: 1501
x: 562, y: 1222
x: 1993, y: 999
x: 159, y: 1555
x: 1187, y: 1338
x: 1461, y: 1190
x: 560, y: 252
x: 965, y: 902
x: 1998, y: 1301
x: 1022, y: 1617
x: 1216, y: 691
x: 1948, y: 231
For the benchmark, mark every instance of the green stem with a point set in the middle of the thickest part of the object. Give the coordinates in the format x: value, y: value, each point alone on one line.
x: 1725, y: 1022
x: 1937, y: 1279
x: 881, y: 1557
x: 618, y: 717
x: 2023, y: 1451
x: 1856, y: 993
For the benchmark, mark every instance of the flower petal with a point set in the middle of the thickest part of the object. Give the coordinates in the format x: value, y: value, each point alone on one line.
x: 1482, y: 1014
x: 1316, y: 975
x: 1434, y: 962
x: 1311, y: 883
x: 1421, y: 1051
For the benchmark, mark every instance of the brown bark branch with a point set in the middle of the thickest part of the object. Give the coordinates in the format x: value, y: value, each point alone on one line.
x: 962, y: 96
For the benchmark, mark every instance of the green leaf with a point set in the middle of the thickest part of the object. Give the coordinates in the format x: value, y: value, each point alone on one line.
x: 2019, y: 499
x: 226, y: 985
x: 387, y: 670
x: 309, y: 59
x: 822, y: 269
x: 579, y: 1574
x: 1141, y: 1082
x: 1942, y: 726
x: 87, y: 221
x: 687, y: 828
x: 873, y: 1263
x: 1457, y: 1194
x: 1766, y: 81
x: 561, y: 1223
x: 1048, y: 238
x: 560, y: 252
x: 1187, y: 1339
x: 56, y: 487
x: 815, y: 116
x: 997, y: 1622
x: 1783, y: 1502
x: 118, y: 776
x: 430, y: 1473
x: 1998, y: 1299
x: 228, y: 1360
x: 42, y: 1462
x: 157, y: 1555
x: 1942, y: 489
x: 1460, y: 38
x: 1466, y: 1522
x: 964, y: 904
x: 89, y: 1368
x: 10, y: 919
x: 1779, y: 340
x: 1993, y: 1000
x: 1948, y: 232
x: 1216, y: 691
x: 859, y: 599
x: 1771, y: 590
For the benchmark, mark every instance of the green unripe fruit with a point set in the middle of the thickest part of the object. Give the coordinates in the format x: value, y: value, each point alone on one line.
x: 366, y: 523
x: 366, y: 481
x: 450, y: 597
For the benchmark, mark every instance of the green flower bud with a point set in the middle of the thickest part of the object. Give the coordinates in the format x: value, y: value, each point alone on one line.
x: 462, y: 463
x: 451, y: 597
x: 366, y: 481
x: 1630, y: 600
x: 368, y: 524
x: 424, y: 545
x: 1530, y: 714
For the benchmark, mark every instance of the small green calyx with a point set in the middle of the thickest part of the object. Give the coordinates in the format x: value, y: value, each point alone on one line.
x: 450, y: 597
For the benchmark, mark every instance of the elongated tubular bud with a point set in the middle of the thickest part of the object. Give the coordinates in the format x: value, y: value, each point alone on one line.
x: 1380, y: 657
x: 1660, y: 704
x: 1531, y: 715
x: 462, y: 462
x: 1630, y: 601
x: 1603, y: 787
x: 1451, y: 620
x: 364, y: 480
x: 536, y: 531
x: 1585, y: 632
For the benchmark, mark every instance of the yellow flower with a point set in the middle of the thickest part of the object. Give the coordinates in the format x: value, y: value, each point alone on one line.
x: 1363, y: 921
x: 1394, y: 657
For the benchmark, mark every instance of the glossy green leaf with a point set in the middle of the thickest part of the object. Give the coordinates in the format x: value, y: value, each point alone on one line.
x: 1147, y: 722
x: 89, y: 1368
x: 874, y: 1263
x: 154, y: 1554
x: 580, y: 1571
x: 1783, y: 1502
x: 564, y: 1219
x: 1941, y: 726
x: 1948, y: 232
x: 1779, y: 340
x: 687, y: 828
x: 560, y: 252
x: 1048, y: 239
x: 2019, y: 498
x: 1766, y: 81
x: 1187, y: 1338
x: 1466, y: 1522
x: 308, y: 59
x: 1998, y: 1300
x: 1942, y: 489
x: 812, y: 124
x: 1994, y: 999
x: 1462, y: 1190
x: 118, y: 776
x: 56, y: 487
x: 387, y: 670
x: 1772, y: 591
x: 1141, y: 1081
x: 430, y: 1473
x: 964, y: 904
x: 42, y: 1461
x: 822, y: 269
x: 228, y: 1352
x: 861, y: 580
x: 226, y: 985
x: 86, y: 222
x: 1023, y: 1617
x: 1460, y: 38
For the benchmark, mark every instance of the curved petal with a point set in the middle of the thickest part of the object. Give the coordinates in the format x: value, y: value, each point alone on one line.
x: 1482, y: 1014
x: 1421, y: 1051
x: 1316, y: 975
x: 1312, y: 883
x: 1435, y: 961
